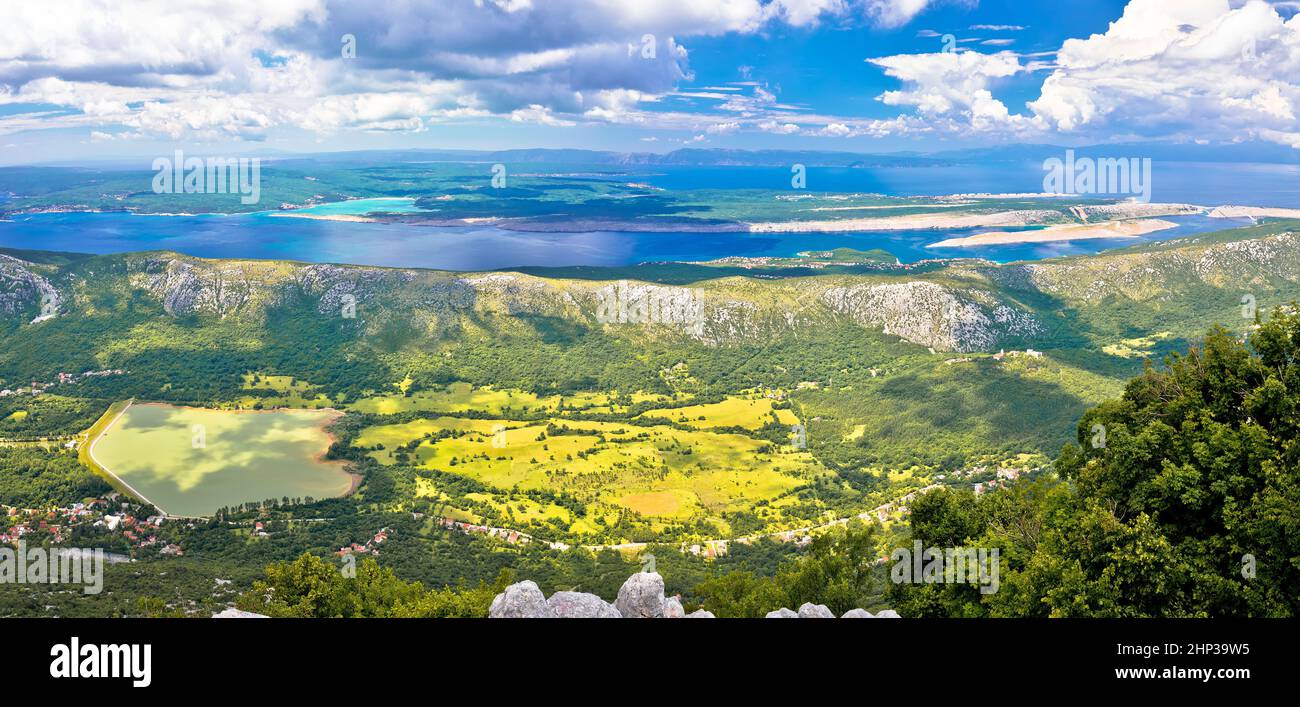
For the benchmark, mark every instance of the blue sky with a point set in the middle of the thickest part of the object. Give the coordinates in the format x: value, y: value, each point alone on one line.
x: 99, y: 79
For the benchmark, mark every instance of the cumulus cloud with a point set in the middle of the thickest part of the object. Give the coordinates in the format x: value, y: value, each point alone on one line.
x: 895, y: 13
x: 772, y: 126
x: 1194, y: 66
x: 805, y: 12
x: 539, y: 114
x: 1194, y: 69
x: 952, y: 85
x: 239, y: 68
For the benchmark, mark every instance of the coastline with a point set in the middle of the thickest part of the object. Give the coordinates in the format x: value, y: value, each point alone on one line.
x: 1060, y: 232
x: 351, y: 218
x: 957, y: 211
x: 1252, y: 212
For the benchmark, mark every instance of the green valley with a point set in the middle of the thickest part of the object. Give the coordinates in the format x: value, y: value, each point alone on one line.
x: 666, y: 406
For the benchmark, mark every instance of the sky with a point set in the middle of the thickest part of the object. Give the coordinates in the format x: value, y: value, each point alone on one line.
x: 103, y: 79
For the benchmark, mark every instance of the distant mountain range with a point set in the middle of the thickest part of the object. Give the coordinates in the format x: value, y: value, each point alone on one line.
x: 718, y: 157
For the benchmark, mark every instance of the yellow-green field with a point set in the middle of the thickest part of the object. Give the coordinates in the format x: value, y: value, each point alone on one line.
x: 463, y: 397
x: 1140, y: 347
x: 289, y: 393
x: 749, y: 413
x: 659, y: 472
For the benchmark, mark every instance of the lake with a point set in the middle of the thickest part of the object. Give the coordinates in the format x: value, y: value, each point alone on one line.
x: 194, y: 461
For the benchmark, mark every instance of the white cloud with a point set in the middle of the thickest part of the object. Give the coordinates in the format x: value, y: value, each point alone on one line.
x: 772, y: 126
x: 894, y: 13
x: 240, y: 68
x: 805, y: 12
x: 1193, y: 69
x: 1217, y: 69
x: 1196, y: 67
x: 539, y: 114
x: 952, y: 85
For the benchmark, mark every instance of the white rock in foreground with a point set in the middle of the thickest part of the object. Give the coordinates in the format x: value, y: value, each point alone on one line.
x: 857, y: 614
x: 577, y: 605
x: 815, y: 611
x: 233, y: 613
x: 641, y: 596
x: 673, y: 608
x: 522, y: 600
x: 782, y: 613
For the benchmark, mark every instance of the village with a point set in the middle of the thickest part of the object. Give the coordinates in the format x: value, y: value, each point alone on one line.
x: 36, y: 387
x: 109, y: 515
x: 370, y: 547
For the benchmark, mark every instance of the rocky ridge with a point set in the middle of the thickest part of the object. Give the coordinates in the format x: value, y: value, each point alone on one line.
x: 715, y: 313
x: 958, y: 307
x: 640, y: 597
x: 22, y: 288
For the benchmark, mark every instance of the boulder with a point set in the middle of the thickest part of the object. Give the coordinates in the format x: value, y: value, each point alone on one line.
x: 522, y: 600
x: 888, y: 614
x: 233, y: 613
x: 815, y: 611
x: 857, y: 614
x: 673, y: 608
x: 700, y: 614
x: 641, y: 596
x: 782, y: 613
x: 578, y: 605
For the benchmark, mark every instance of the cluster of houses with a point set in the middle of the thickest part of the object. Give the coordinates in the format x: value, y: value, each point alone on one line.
x: 36, y: 388
x: 58, y: 524
x: 371, y: 546
x: 1004, y: 476
x: 1027, y: 353
x: 514, y: 537
x: 1000, y: 355
x: 801, y: 537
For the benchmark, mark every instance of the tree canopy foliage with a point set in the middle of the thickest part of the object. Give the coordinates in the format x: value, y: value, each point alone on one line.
x: 1181, y: 498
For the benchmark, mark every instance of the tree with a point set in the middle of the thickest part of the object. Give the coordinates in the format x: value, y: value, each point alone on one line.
x: 838, y: 570
x: 1182, y: 498
x: 312, y: 587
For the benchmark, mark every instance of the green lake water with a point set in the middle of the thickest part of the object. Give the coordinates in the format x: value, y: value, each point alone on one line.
x: 191, y: 461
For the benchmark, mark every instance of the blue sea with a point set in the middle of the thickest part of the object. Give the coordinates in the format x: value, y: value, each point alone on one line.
x: 264, y: 235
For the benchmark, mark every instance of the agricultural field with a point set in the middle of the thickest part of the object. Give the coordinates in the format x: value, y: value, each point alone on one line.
x: 280, y: 391
x: 749, y: 413
x: 649, y: 469
x: 462, y: 397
